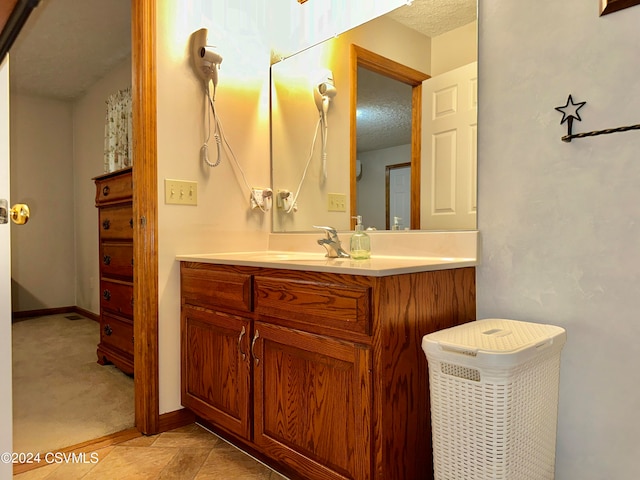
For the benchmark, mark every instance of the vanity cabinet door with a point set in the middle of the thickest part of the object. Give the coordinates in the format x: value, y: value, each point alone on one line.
x: 312, y: 402
x: 216, y: 368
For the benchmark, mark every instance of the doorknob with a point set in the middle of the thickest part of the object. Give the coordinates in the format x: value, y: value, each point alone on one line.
x: 19, y: 213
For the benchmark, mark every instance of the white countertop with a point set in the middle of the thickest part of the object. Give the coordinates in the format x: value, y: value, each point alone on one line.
x: 377, y: 265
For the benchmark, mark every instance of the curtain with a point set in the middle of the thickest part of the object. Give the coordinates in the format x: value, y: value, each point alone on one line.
x: 118, y: 139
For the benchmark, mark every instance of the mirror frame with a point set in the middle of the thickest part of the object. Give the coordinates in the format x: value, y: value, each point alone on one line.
x: 361, y: 57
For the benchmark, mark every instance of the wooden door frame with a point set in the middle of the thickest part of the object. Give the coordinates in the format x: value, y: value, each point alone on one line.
x: 145, y: 213
x: 389, y: 68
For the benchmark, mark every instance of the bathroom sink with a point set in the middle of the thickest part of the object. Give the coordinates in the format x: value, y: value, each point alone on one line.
x: 271, y: 256
x: 377, y: 265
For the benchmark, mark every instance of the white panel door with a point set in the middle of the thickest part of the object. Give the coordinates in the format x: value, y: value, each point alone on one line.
x: 6, y: 414
x: 449, y: 131
x: 400, y: 196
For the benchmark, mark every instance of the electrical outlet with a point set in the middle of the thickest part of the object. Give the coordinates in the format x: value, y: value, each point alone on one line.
x: 337, y: 202
x: 261, y: 198
x: 284, y: 200
x: 180, y: 192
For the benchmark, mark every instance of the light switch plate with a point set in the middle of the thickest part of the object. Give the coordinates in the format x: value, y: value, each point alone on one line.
x: 180, y: 192
x: 336, y: 202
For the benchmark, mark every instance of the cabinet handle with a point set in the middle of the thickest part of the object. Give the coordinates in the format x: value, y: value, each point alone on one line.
x: 106, y: 295
x: 253, y: 343
x: 131, y: 222
x: 106, y: 259
x: 105, y: 190
x: 242, y: 334
x: 106, y: 224
x: 108, y: 330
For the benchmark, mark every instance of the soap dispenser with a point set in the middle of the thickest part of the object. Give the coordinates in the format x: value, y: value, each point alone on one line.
x: 360, y: 242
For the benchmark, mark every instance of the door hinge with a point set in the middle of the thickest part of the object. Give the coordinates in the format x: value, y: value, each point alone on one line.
x: 4, y: 211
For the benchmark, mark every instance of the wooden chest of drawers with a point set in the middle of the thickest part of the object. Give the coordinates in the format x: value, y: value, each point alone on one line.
x: 114, y: 194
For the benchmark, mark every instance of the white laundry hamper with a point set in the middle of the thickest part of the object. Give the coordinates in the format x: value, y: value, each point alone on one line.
x: 494, y: 399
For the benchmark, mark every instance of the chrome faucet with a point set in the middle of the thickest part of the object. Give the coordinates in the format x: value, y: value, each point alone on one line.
x: 332, y: 243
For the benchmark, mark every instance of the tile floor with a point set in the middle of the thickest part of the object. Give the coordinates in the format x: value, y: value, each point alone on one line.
x: 189, y: 452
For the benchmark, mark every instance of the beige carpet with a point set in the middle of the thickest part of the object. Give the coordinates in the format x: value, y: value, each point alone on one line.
x: 61, y: 396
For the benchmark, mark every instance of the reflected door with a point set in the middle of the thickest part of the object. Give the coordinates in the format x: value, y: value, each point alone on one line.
x: 398, y: 194
x: 449, y: 150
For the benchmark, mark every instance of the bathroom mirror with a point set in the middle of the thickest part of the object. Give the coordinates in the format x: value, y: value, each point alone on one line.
x: 314, y: 158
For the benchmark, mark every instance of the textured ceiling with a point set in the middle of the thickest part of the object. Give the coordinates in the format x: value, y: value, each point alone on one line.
x: 435, y: 17
x: 384, y: 112
x: 67, y: 45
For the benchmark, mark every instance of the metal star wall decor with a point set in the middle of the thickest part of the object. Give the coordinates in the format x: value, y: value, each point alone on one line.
x: 570, y: 111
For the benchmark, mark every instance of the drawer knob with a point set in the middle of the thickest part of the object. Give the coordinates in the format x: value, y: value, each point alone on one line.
x: 131, y: 222
x: 108, y: 330
x: 106, y: 225
x: 106, y: 259
x: 105, y: 190
x: 106, y: 295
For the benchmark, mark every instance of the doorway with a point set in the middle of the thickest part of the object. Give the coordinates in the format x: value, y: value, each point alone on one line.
x: 145, y: 226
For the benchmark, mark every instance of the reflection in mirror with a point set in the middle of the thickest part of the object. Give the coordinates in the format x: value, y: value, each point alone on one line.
x: 383, y: 99
x: 387, y: 119
x: 297, y: 157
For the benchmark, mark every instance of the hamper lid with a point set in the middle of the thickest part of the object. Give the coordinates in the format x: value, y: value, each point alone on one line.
x: 495, y: 335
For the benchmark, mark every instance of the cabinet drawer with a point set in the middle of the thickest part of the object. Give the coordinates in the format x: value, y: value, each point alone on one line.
x: 116, y: 259
x: 114, y: 189
x: 116, y: 222
x: 116, y: 297
x: 117, y: 333
x: 314, y: 306
x: 207, y: 287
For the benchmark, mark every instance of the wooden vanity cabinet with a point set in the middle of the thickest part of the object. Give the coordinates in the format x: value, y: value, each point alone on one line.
x: 321, y: 374
x: 114, y: 197
x: 215, y: 333
x: 215, y: 376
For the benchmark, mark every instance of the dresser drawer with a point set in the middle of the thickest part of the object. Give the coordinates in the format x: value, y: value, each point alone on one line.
x: 314, y: 306
x: 116, y: 297
x: 116, y: 260
x: 208, y: 287
x: 117, y: 333
x: 114, y: 189
x: 116, y: 222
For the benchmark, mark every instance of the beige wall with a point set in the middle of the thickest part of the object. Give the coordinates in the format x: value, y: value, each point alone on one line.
x: 43, y: 261
x: 454, y: 49
x: 56, y: 148
x: 222, y: 220
x: 88, y: 114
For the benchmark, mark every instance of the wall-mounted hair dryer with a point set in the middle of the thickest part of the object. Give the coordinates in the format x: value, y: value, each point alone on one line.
x: 205, y: 61
x: 323, y: 92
